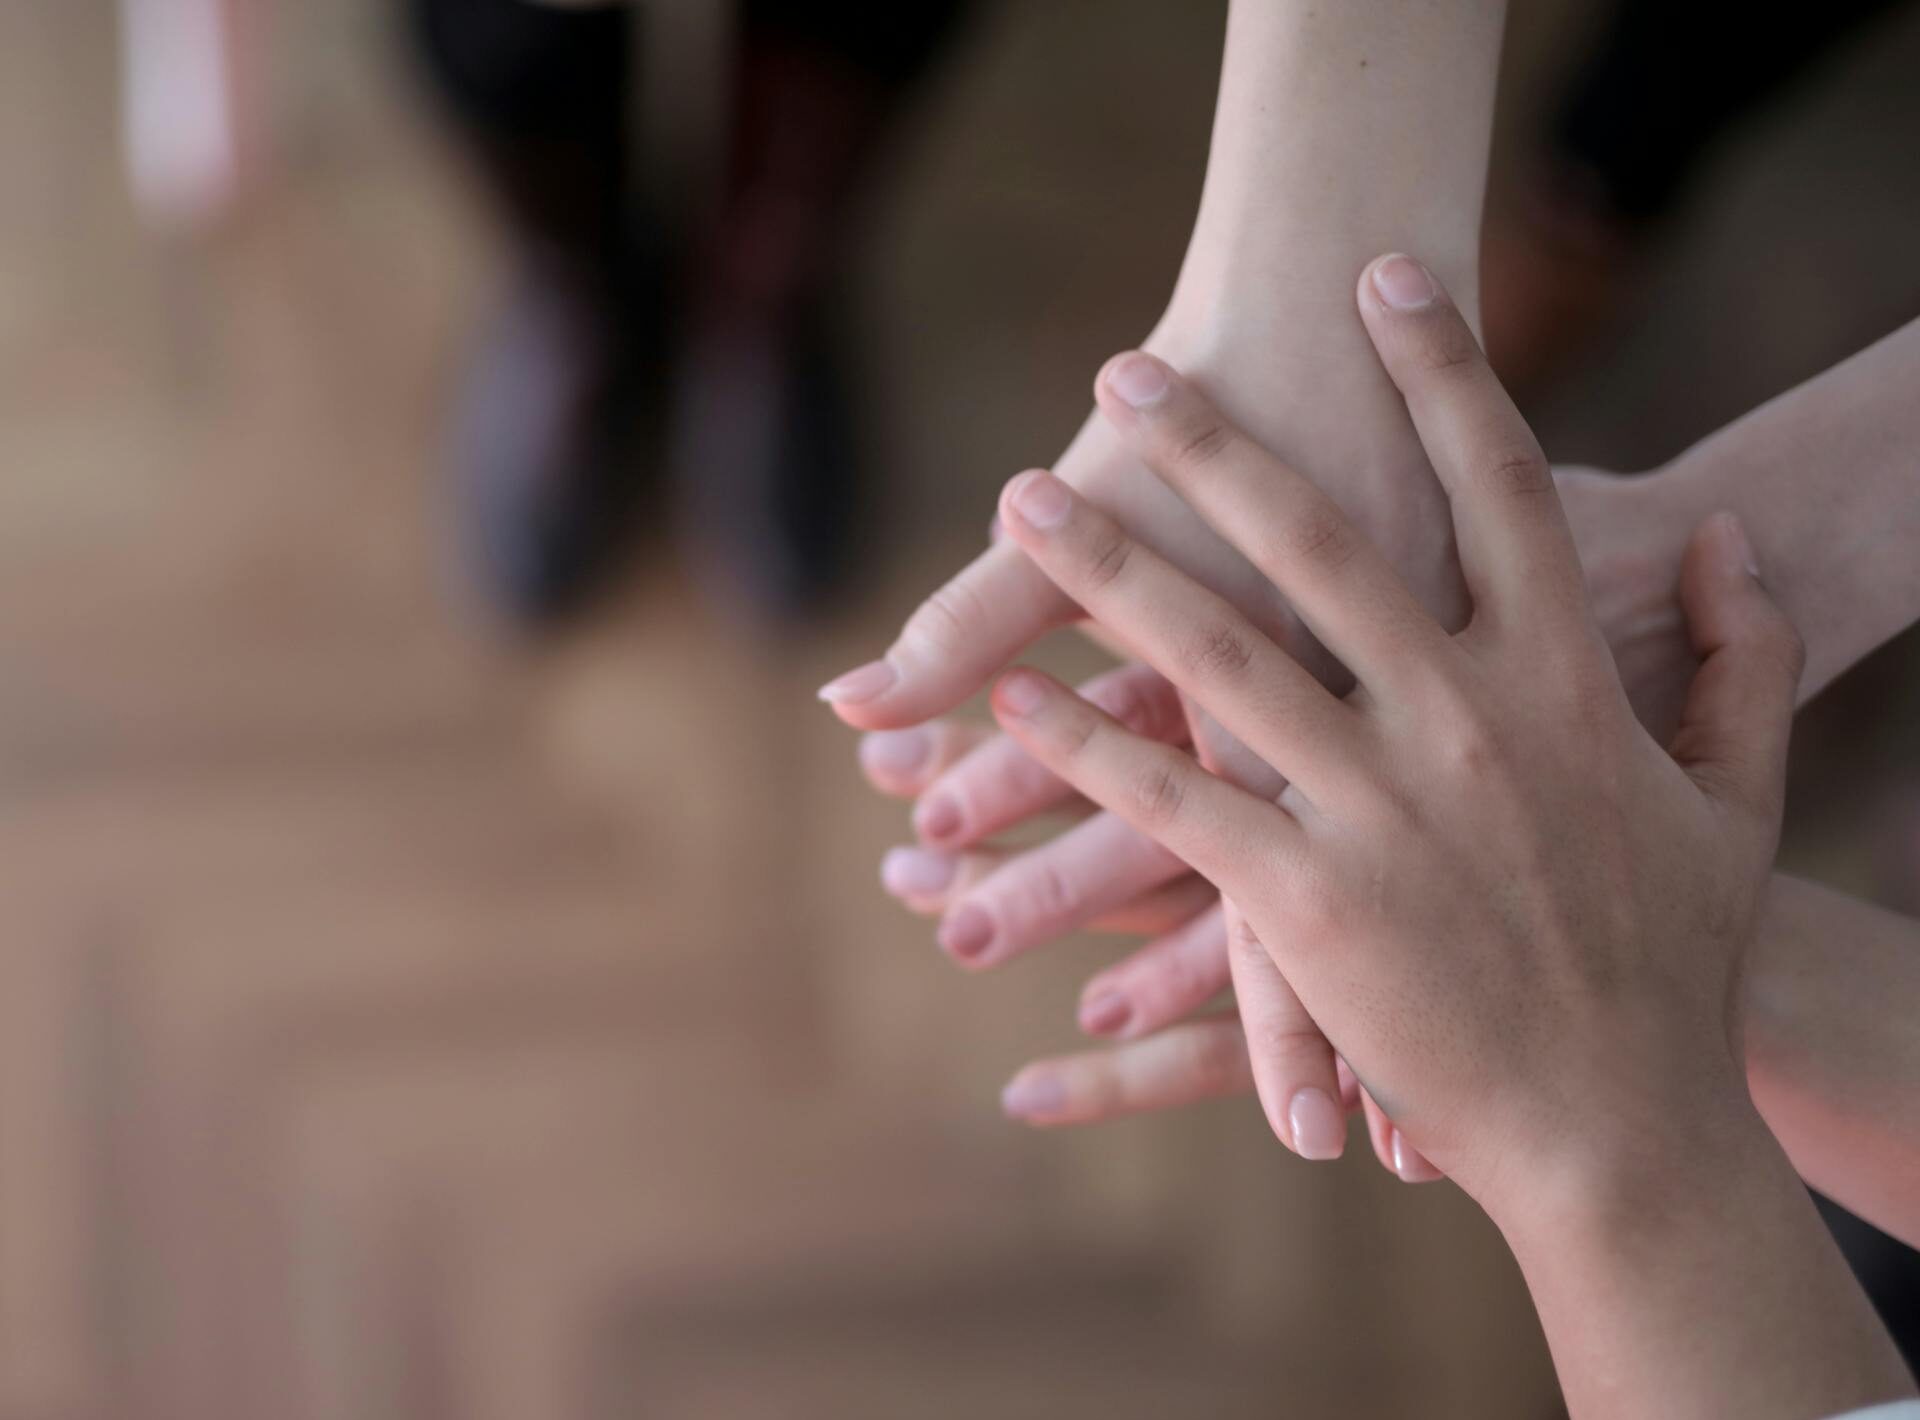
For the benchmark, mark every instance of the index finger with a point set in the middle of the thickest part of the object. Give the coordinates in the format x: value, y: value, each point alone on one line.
x: 1516, y: 551
x: 954, y: 643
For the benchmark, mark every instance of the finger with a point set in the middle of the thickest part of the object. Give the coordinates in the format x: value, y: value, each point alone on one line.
x: 1165, y: 981
x: 1349, y: 1086
x: 928, y: 882
x: 1340, y: 586
x: 1293, y: 1071
x: 1738, y: 714
x: 953, y: 643
x: 999, y: 784
x: 1515, y: 550
x: 1224, y: 833
x: 1165, y: 908
x: 1185, y: 1064
x: 901, y: 763
x: 1379, y: 1131
x: 1044, y: 893
x: 1191, y: 636
x: 1393, y: 1149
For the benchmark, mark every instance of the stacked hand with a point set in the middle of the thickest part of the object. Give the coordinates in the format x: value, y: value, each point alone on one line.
x: 1101, y: 874
x: 1486, y: 923
x: 1524, y: 922
x: 1321, y: 398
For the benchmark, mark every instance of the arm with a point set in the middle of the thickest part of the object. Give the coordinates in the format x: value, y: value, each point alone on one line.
x: 1833, y: 1055
x: 1697, y: 1279
x: 1527, y: 943
x: 1827, y: 476
x: 1340, y: 130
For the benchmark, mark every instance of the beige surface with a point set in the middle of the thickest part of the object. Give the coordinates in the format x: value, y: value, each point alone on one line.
x: 395, y: 1024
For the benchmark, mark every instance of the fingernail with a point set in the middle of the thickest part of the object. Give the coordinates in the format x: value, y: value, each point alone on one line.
x: 1033, y: 1096
x: 1139, y: 380
x: 1739, y: 545
x: 967, y: 932
x: 859, y: 686
x: 938, y: 817
x: 1105, y: 1013
x: 914, y: 872
x: 1319, y: 1129
x: 1019, y: 693
x: 895, y: 752
x: 1041, y: 499
x: 1403, y: 283
x: 1408, y: 1163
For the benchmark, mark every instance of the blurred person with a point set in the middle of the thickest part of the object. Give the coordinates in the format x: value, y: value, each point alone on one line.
x: 1527, y: 943
x: 624, y: 332
x: 1661, y: 87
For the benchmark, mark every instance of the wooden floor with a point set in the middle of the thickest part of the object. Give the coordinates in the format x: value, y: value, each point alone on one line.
x: 396, y: 1022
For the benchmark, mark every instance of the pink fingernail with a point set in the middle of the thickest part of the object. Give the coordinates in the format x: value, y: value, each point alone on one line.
x: 895, y: 753
x: 860, y: 685
x: 1033, y: 1096
x: 1408, y: 1163
x: 1105, y: 1013
x: 1403, y: 283
x: 967, y: 932
x: 1139, y: 380
x: 937, y: 817
x: 914, y: 872
x: 1041, y: 500
x: 1319, y: 1128
x: 1020, y: 693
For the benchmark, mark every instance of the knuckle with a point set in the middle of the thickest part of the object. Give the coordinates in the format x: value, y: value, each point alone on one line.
x: 1075, y: 732
x: 1320, y: 535
x: 1220, y: 652
x: 1157, y: 791
x: 947, y: 621
x: 1049, y: 892
x: 1213, y: 1056
x: 1449, y: 349
x: 1521, y: 470
x: 1468, y: 750
x: 1107, y: 556
x: 1201, y: 441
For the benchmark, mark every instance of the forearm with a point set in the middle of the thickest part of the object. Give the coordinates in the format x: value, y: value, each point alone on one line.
x: 1343, y: 131
x: 1833, y: 1051
x: 1826, y: 479
x: 1695, y: 1279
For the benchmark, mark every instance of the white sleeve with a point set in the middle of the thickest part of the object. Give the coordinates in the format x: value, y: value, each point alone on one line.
x: 1893, y: 1410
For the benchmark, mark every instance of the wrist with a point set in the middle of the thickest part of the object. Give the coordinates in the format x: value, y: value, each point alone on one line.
x: 1692, y: 1275
x: 1619, y: 1189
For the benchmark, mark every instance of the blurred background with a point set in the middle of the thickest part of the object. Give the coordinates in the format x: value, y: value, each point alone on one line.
x: 443, y: 971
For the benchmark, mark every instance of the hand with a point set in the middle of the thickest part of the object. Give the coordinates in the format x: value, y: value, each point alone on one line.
x: 1525, y: 923
x: 970, y: 785
x: 1481, y: 1010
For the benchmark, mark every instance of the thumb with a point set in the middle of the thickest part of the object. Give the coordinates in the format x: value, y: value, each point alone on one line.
x: 1733, y: 730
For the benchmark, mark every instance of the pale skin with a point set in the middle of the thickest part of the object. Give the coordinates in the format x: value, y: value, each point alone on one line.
x: 1846, y: 563
x: 1523, y: 920
x: 1310, y: 94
